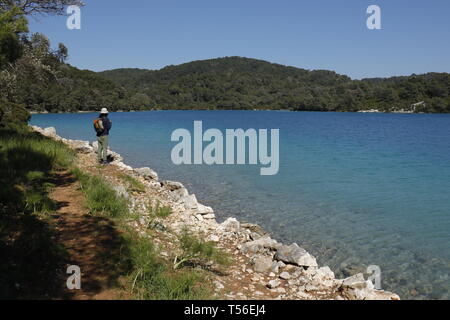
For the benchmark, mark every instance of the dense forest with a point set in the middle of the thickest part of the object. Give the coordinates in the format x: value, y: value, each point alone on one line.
x: 242, y: 83
x: 34, y: 76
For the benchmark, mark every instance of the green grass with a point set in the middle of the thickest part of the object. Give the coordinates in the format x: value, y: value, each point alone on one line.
x: 196, y: 251
x: 100, y: 197
x: 27, y: 161
x: 153, y: 279
x: 156, y: 212
x: 134, y: 185
x: 150, y: 276
x: 28, y: 250
x: 30, y: 253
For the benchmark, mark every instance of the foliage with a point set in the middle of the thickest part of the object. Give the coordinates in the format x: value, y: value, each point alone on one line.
x: 195, y: 250
x: 100, y: 197
x: 239, y: 83
x: 152, y: 280
x: 12, y: 116
x: 30, y: 7
x: 12, y: 25
x: 30, y: 254
x: 134, y: 185
x: 156, y: 212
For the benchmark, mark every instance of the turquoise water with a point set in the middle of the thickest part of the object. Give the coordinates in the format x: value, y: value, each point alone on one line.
x: 354, y: 189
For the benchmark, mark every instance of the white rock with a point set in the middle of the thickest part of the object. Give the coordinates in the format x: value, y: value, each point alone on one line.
x: 95, y: 146
x: 273, y: 284
x: 295, y: 255
x: 262, y: 264
x: 190, y: 202
x: 231, y: 224
x: 180, y: 194
x: 204, y: 210
x: 323, y: 274
x: 275, y: 268
x: 49, y: 132
x: 123, y: 166
x: 173, y: 185
x: 356, y: 288
x: 147, y: 173
x: 80, y: 146
x: 260, y: 245
x: 213, y: 238
x: 285, y: 276
x: 210, y: 216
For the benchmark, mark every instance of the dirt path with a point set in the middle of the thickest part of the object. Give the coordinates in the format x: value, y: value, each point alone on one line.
x: 92, y: 243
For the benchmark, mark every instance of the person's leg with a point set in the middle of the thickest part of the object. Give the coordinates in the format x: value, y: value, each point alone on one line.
x: 100, y: 148
x: 105, y: 148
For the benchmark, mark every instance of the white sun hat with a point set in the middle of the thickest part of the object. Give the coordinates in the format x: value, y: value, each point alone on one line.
x: 104, y: 111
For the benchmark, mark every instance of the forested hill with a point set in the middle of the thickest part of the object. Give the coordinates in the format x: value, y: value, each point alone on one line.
x: 242, y: 83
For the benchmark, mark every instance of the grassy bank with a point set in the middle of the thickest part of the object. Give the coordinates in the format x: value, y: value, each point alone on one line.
x: 30, y: 255
x: 149, y: 276
x: 34, y: 261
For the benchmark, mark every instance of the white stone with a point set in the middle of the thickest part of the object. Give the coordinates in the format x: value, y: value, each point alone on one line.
x: 204, y: 210
x: 295, y: 255
x: 285, y: 276
x: 147, y: 173
x: 173, y: 185
x: 273, y: 284
x: 214, y: 238
x: 210, y: 216
x: 260, y: 245
x: 49, y: 132
x: 262, y: 264
x: 231, y: 224
x: 190, y: 202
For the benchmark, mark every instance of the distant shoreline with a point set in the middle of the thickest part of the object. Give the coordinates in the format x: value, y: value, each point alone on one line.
x: 268, y: 110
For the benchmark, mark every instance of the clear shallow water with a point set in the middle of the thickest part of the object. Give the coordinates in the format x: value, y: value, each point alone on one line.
x: 354, y: 189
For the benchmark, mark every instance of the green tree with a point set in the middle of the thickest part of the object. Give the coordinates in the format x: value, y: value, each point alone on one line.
x: 12, y: 26
x: 32, y: 7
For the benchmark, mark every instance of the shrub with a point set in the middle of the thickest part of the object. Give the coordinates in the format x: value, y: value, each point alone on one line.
x: 100, y: 197
x: 151, y: 280
x: 133, y: 184
x: 197, y: 251
x: 157, y: 212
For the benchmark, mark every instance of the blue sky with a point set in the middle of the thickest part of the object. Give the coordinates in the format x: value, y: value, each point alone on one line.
x: 310, y: 34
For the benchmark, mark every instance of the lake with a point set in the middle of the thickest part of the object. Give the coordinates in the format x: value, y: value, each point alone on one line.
x: 353, y: 189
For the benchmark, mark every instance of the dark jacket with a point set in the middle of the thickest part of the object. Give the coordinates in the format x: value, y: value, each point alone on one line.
x: 107, y: 125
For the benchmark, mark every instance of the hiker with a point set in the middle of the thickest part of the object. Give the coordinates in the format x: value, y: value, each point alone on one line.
x: 102, y: 126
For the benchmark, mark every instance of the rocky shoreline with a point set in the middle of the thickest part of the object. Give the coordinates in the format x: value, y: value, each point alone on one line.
x: 265, y: 268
